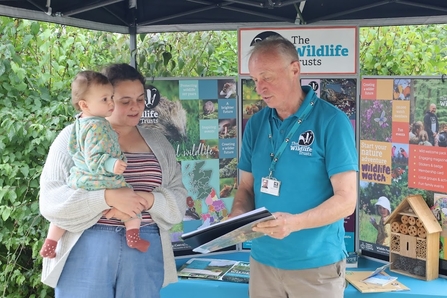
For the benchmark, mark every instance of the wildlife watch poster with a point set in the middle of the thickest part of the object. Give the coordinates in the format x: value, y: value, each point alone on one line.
x: 403, y: 151
x: 199, y: 117
x: 341, y: 92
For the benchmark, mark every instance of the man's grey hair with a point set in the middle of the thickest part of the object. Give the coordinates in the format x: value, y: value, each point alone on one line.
x: 275, y: 44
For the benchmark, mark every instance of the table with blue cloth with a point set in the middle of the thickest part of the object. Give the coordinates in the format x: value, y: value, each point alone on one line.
x: 193, y: 288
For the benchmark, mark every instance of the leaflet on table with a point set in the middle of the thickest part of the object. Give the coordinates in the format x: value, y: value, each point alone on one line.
x: 240, y: 272
x: 380, y: 279
x: 216, y: 269
x: 374, y: 282
x: 228, y: 232
x: 380, y: 269
x: 352, y: 260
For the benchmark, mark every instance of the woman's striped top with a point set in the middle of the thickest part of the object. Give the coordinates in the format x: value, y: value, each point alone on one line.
x: 143, y: 172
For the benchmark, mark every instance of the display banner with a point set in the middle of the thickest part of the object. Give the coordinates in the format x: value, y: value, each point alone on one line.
x: 341, y: 92
x: 321, y: 50
x: 199, y: 118
x: 403, y: 151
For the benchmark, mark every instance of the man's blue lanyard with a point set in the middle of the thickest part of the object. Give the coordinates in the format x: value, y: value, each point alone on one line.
x: 288, y: 137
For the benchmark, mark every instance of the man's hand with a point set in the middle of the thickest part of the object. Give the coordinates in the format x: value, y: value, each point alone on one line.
x: 119, y: 167
x: 280, y: 227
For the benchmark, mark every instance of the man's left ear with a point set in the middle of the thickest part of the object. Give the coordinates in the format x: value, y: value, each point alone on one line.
x: 296, y: 67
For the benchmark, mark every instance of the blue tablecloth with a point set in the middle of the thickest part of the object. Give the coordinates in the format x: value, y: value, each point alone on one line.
x: 193, y: 288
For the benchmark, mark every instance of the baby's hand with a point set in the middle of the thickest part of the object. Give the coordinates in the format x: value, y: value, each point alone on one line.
x: 119, y: 167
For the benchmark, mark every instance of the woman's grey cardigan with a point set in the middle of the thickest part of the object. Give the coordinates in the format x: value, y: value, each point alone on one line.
x: 78, y: 210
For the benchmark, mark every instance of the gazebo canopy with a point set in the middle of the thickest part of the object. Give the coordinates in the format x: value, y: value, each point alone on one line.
x: 142, y: 16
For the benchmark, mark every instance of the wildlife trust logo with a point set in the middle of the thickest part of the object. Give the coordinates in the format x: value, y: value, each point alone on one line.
x: 152, y: 97
x: 305, y: 140
x: 151, y: 100
x: 263, y: 35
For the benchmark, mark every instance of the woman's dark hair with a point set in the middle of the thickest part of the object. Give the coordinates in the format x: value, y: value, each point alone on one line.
x: 122, y: 72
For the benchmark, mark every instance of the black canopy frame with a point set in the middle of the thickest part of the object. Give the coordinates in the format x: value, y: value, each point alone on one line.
x: 144, y: 16
x: 148, y: 16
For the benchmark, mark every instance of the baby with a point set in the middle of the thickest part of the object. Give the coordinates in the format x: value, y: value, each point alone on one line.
x: 94, y: 147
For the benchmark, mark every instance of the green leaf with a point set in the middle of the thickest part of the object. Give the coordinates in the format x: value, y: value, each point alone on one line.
x: 210, y: 49
x: 2, y: 68
x: 20, y: 72
x: 21, y: 86
x: 166, y: 57
x: 35, y: 27
x: 3, y: 192
x: 142, y: 36
x: 6, y: 212
x: 25, y: 170
x: 181, y: 63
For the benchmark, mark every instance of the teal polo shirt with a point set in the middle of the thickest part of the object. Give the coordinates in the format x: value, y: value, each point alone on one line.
x: 322, y: 146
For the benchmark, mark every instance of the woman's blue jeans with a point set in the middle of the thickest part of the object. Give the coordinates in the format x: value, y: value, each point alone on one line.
x: 101, y: 265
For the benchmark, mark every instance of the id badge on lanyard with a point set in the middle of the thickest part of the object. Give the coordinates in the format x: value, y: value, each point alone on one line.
x: 270, y: 184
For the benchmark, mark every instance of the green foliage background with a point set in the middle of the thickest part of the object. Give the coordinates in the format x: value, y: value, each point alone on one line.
x: 403, y: 50
x: 37, y: 63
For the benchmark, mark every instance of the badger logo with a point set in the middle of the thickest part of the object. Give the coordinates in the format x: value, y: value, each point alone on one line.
x: 263, y: 35
x: 306, y: 138
x: 152, y: 97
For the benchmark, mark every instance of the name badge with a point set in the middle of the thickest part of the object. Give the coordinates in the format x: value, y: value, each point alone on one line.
x: 270, y: 186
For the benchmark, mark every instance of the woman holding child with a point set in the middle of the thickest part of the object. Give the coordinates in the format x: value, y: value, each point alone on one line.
x: 92, y: 257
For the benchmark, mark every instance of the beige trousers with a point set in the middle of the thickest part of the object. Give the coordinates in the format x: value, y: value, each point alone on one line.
x: 323, y: 282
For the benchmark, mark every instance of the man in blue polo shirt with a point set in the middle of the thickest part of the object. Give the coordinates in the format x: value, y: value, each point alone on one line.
x: 305, y: 149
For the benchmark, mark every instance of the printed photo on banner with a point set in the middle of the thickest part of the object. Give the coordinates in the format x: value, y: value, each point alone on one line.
x: 199, y: 118
x: 342, y: 93
x: 403, y: 124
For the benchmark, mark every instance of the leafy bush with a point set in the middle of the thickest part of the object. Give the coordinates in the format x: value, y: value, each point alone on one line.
x: 37, y: 64
x: 403, y: 50
x: 188, y: 54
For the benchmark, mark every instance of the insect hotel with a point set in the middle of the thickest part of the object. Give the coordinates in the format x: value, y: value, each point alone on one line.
x: 415, y: 232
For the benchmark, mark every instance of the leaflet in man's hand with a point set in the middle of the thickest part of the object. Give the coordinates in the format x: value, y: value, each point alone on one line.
x: 226, y: 233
